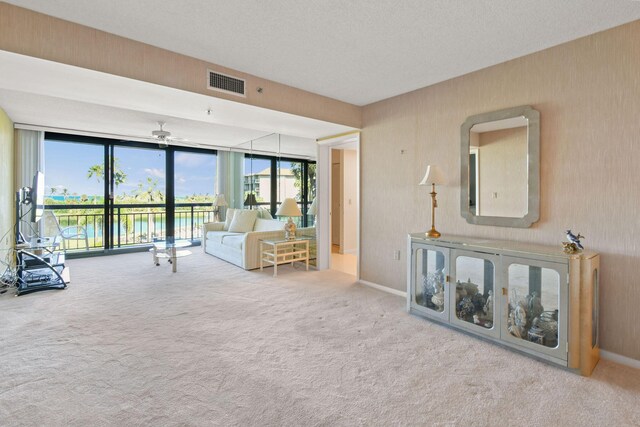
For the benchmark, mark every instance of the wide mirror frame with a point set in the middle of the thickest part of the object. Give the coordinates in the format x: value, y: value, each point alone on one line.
x: 533, y: 167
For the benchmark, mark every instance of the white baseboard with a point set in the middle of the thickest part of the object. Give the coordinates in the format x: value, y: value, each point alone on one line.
x: 351, y: 251
x: 623, y: 360
x: 384, y: 288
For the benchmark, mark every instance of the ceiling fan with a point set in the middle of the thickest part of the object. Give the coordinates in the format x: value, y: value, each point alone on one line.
x: 164, y: 136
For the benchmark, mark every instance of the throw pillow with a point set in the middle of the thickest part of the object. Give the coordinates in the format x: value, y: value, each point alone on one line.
x: 264, y: 213
x: 229, y: 218
x: 243, y: 221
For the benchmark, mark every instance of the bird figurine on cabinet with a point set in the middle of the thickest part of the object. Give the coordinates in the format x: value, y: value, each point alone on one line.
x: 574, y: 244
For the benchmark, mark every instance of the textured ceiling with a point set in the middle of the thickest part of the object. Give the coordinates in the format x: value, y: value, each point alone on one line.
x: 358, y: 51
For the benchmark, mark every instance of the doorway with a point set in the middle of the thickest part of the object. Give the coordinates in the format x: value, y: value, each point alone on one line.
x: 338, y: 221
x: 344, y: 214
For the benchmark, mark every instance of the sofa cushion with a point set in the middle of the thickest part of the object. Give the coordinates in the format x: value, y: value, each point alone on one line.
x: 264, y: 213
x: 243, y: 221
x: 268, y: 225
x: 233, y: 240
x: 218, y: 236
x: 229, y: 218
x: 215, y: 236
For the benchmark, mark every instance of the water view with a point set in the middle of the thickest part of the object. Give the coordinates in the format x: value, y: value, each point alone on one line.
x: 75, y: 191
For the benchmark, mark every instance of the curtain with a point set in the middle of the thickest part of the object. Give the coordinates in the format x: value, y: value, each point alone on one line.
x: 230, y: 179
x: 29, y: 160
x: 29, y: 156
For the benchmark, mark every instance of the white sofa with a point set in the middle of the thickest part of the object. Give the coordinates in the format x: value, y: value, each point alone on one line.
x: 243, y: 249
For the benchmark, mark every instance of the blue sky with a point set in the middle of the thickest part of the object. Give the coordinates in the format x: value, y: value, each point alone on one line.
x: 67, y: 164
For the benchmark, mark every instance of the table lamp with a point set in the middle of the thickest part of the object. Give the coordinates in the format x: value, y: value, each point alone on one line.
x: 250, y: 200
x: 313, y: 209
x: 433, y: 176
x: 289, y: 208
x: 218, y: 202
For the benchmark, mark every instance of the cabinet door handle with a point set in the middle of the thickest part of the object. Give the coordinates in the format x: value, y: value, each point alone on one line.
x: 504, y: 291
x: 448, y: 279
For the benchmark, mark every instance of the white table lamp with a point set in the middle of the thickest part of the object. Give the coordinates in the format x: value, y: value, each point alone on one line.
x: 218, y: 202
x: 289, y: 208
x: 433, y: 176
x: 313, y: 209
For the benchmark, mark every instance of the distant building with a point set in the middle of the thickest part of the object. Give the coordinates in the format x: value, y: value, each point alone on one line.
x: 260, y: 183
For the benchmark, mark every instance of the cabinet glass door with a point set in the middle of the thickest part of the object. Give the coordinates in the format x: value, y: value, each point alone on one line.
x: 474, y: 294
x: 428, y: 284
x: 536, y: 306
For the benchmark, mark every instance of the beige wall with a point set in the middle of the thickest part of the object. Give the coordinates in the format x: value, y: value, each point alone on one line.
x: 588, y: 95
x: 6, y: 181
x: 502, y: 167
x: 34, y: 34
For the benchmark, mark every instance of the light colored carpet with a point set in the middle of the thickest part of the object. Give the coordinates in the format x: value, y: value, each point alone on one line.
x: 132, y: 344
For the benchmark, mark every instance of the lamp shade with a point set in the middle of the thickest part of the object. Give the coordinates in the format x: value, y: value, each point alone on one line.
x: 313, y: 209
x: 250, y: 200
x: 433, y: 176
x: 220, y: 200
x: 289, y: 208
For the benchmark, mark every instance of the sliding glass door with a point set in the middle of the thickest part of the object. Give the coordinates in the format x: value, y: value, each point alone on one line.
x: 194, y: 179
x: 74, y: 191
x: 137, y: 195
x: 257, y: 182
x: 128, y: 194
x: 291, y: 184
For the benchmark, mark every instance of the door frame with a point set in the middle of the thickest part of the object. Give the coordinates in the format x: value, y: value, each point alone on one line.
x: 350, y: 140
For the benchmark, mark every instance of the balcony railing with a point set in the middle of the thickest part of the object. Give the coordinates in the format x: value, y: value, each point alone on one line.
x: 133, y: 224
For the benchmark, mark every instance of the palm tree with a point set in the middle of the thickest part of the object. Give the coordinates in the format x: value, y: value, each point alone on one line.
x: 97, y: 171
x: 150, y: 193
x: 119, y: 176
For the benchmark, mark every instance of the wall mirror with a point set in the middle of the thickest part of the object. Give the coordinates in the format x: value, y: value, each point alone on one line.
x: 500, y: 168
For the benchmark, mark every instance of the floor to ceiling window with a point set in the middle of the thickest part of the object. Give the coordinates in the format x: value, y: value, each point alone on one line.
x: 268, y: 180
x: 257, y: 182
x: 311, y: 193
x: 194, y: 191
x: 130, y: 193
x: 291, y: 184
x: 139, y: 191
x: 127, y: 193
x: 74, y: 189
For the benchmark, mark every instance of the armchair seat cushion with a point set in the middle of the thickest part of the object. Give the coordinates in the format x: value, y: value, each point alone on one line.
x: 233, y: 240
x: 218, y: 236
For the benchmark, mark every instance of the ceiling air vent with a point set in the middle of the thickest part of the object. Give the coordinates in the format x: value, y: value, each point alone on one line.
x: 224, y: 83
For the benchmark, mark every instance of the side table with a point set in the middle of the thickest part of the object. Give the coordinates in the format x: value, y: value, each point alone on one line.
x: 280, y: 251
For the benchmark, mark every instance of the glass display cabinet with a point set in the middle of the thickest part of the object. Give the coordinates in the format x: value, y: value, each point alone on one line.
x: 534, y: 299
x: 428, y: 280
x: 474, y: 293
x: 533, y: 315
